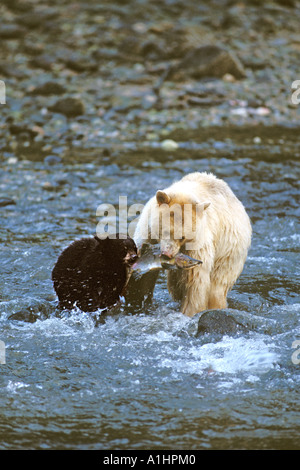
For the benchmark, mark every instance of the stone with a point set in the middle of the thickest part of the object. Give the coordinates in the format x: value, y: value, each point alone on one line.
x: 48, y: 88
x: 70, y: 107
x: 218, y: 322
x: 22, y: 130
x: 208, y: 61
x: 169, y: 144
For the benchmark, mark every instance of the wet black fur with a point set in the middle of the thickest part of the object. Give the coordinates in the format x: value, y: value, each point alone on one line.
x: 91, y: 273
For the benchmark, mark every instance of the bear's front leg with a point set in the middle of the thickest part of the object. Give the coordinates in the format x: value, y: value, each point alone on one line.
x: 194, y: 287
x: 217, y: 297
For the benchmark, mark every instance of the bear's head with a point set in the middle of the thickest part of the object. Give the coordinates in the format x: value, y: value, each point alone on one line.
x: 120, y: 249
x: 175, y: 221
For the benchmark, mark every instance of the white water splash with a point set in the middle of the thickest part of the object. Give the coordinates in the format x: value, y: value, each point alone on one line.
x: 228, y: 356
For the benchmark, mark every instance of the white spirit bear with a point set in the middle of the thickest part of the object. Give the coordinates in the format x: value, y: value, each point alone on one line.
x: 200, y: 216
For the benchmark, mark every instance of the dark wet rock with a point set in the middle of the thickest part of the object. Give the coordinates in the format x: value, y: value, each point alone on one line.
x: 70, y: 107
x: 6, y: 201
x: 22, y: 130
x: 219, y: 322
x: 11, y: 31
x: 49, y: 88
x: 25, y: 315
x: 208, y: 61
x: 33, y: 313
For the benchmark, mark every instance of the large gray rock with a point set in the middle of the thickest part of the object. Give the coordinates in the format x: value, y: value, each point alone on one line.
x: 208, y: 61
x: 220, y: 323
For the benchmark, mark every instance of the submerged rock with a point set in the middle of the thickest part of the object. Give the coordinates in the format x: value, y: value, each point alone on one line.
x: 38, y: 311
x: 219, y: 322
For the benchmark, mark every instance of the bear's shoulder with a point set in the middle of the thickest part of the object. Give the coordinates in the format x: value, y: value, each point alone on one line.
x: 209, y: 182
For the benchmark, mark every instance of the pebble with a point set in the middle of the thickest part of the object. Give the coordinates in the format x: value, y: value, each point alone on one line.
x: 262, y: 111
x: 169, y: 144
x: 12, y: 160
x: 240, y: 112
x: 227, y: 77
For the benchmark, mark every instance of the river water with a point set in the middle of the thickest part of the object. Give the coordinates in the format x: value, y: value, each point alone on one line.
x: 146, y: 381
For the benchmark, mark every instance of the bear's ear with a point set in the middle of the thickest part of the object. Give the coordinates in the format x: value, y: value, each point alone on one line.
x: 202, y: 206
x: 162, y: 197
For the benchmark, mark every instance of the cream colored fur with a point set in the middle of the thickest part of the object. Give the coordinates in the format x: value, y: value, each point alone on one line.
x: 221, y: 241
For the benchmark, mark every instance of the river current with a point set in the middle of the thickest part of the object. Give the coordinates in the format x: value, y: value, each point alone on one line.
x: 145, y: 380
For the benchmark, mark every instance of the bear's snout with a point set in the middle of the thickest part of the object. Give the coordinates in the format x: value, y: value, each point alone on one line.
x: 166, y: 253
x: 131, y: 258
x: 168, y: 248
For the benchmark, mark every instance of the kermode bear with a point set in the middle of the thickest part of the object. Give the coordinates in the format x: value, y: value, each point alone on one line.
x: 200, y: 216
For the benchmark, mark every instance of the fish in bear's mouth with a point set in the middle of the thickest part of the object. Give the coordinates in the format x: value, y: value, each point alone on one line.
x: 155, y: 260
x: 181, y: 261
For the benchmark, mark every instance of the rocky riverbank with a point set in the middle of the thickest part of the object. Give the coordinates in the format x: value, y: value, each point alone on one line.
x: 99, y: 77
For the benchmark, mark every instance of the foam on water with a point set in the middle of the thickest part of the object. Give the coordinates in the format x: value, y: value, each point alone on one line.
x: 174, y: 334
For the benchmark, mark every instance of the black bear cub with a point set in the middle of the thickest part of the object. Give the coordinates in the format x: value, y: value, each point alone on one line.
x: 92, y: 273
